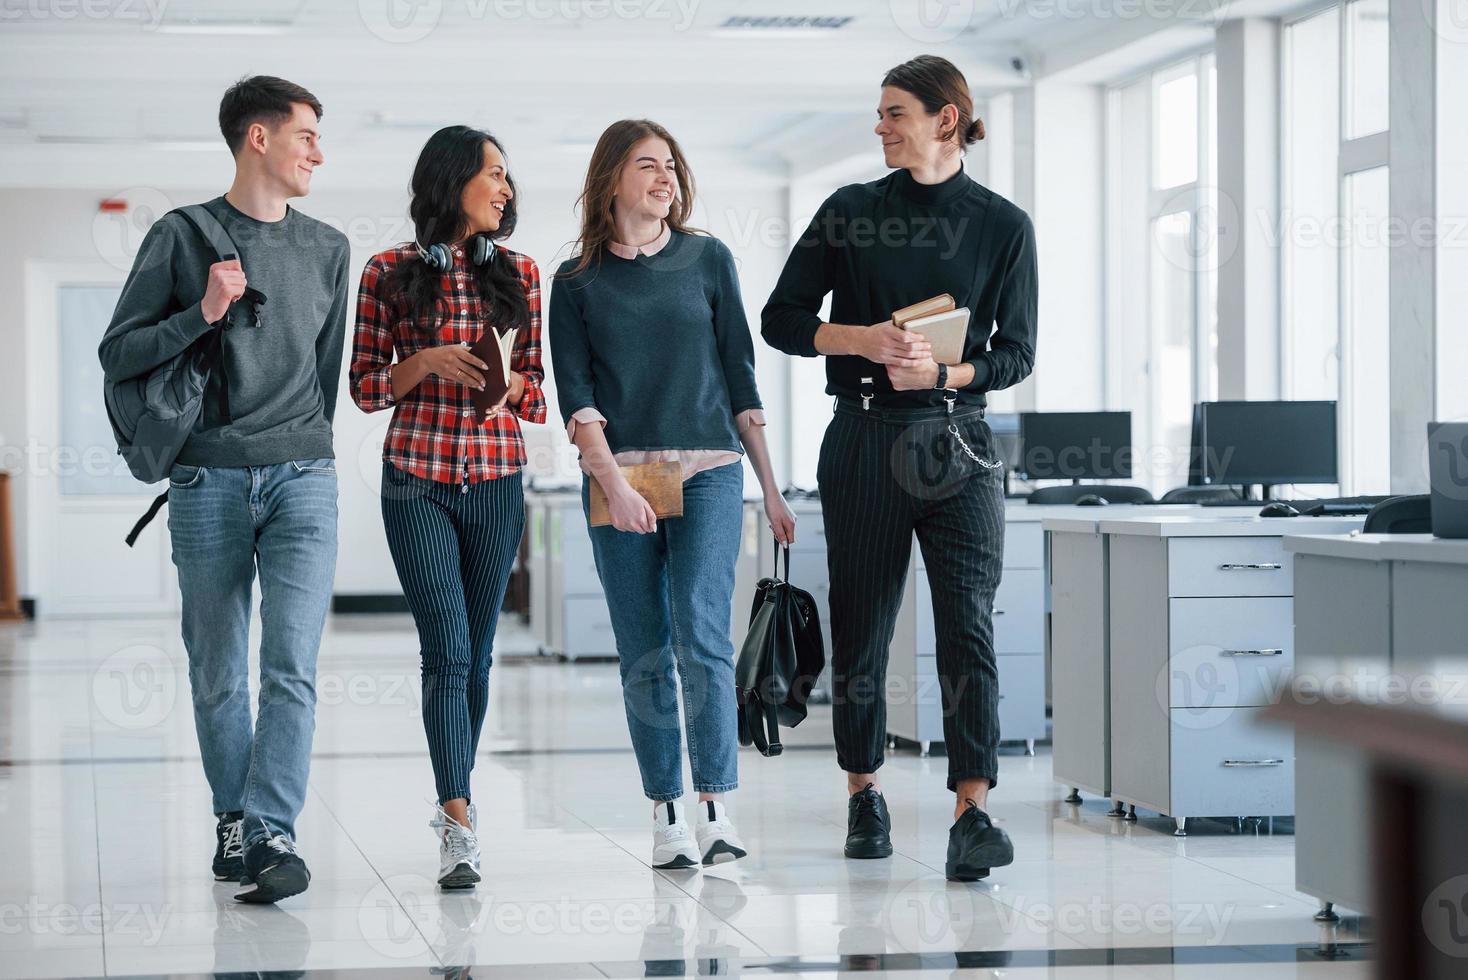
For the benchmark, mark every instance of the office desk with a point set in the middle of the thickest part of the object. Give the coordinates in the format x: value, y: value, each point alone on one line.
x: 1367, y: 608
x: 1080, y: 658
x: 1200, y: 626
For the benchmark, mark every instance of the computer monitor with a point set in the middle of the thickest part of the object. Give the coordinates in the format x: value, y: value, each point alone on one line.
x: 1075, y: 446
x: 1195, y: 448
x: 1241, y: 443
x: 1005, y: 427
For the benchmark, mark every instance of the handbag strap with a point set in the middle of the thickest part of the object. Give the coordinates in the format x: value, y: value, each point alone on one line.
x: 772, y: 723
x: 775, y: 571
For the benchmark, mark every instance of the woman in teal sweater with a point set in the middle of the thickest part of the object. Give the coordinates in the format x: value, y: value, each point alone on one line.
x: 654, y: 362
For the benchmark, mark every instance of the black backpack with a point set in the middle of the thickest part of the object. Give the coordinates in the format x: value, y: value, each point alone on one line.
x: 782, y: 657
x: 153, y: 414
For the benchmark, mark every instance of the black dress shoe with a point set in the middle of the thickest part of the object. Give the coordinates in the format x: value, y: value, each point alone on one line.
x: 868, y: 827
x: 975, y: 845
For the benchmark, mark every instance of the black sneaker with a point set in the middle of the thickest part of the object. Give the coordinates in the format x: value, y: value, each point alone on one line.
x: 273, y: 870
x: 868, y: 826
x: 229, y: 847
x: 975, y: 845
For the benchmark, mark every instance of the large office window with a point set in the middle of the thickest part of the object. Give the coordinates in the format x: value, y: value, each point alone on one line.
x: 1161, y: 323
x: 1337, y: 229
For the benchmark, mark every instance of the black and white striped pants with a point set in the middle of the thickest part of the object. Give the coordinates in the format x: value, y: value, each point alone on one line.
x: 885, y: 474
x: 454, y: 549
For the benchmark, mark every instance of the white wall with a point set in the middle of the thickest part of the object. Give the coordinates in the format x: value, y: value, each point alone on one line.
x: 64, y: 226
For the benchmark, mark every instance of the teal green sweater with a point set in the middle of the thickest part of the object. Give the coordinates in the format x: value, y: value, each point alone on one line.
x: 658, y: 344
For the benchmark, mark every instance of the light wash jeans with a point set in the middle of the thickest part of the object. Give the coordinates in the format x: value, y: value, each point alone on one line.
x: 669, y: 595
x: 224, y: 521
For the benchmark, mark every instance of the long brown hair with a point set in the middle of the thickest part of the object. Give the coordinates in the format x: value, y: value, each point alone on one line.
x: 612, y: 152
x: 937, y: 82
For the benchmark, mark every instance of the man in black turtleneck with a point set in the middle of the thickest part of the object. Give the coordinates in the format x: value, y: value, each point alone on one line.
x: 908, y: 449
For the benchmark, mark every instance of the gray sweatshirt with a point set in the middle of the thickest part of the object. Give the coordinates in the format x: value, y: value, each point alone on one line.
x: 273, y: 396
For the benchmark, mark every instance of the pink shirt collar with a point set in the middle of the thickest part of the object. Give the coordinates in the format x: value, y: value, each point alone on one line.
x: 651, y: 248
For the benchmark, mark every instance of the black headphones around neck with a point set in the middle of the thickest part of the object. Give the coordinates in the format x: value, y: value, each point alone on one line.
x: 439, y: 256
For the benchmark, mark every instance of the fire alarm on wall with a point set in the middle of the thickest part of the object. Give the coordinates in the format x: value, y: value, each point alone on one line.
x: 112, y: 205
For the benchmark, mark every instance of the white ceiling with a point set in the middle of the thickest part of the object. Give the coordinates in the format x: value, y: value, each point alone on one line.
x: 99, y: 91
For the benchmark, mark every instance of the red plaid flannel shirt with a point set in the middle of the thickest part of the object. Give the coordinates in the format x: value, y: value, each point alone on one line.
x: 433, y: 434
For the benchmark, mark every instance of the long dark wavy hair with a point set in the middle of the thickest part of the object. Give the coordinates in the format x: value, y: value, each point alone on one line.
x: 449, y: 160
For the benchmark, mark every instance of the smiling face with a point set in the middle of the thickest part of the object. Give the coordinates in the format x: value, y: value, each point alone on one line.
x: 487, y: 193
x: 910, y: 137
x: 291, y: 151
x: 648, y: 183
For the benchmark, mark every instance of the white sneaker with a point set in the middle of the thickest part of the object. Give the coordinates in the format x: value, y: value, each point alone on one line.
x: 672, y: 841
x: 718, y: 841
x: 458, y: 852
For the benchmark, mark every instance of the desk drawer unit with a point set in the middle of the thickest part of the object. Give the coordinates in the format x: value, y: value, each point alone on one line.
x: 1202, y: 638
x: 1224, y: 761
x: 1229, y: 652
x: 1228, y: 567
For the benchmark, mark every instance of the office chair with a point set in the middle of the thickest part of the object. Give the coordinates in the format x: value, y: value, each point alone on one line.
x: 1400, y: 515
x: 1070, y: 493
x: 1197, y: 495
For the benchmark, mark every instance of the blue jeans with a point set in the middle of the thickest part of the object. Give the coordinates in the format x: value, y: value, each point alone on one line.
x: 669, y: 596
x: 454, y: 546
x: 224, y: 522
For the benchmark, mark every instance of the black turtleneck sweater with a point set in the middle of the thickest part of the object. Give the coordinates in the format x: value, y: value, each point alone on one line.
x: 893, y: 242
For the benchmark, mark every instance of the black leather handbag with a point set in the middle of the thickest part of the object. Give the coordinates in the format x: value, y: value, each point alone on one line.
x: 782, y: 657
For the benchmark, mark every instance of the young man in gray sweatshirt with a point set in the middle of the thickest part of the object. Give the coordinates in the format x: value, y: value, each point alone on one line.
x: 255, y: 484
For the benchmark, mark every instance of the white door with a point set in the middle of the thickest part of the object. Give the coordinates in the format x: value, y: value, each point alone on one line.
x: 80, y: 498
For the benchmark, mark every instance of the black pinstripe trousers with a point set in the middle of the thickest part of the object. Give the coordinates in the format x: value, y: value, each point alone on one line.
x: 883, y: 475
x: 454, y: 549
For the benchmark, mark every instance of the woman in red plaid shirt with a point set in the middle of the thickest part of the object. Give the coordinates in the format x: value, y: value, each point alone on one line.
x: 452, y: 500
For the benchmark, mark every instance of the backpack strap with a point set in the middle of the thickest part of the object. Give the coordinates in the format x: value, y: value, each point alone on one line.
x: 210, y: 230
x: 147, y: 518
x: 217, y: 237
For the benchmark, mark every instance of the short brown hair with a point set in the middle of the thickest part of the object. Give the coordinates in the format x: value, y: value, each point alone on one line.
x: 937, y: 82
x: 263, y: 99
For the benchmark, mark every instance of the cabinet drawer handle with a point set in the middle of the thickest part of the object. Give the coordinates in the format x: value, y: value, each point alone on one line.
x: 1250, y: 566
x: 1251, y: 653
x: 1239, y: 763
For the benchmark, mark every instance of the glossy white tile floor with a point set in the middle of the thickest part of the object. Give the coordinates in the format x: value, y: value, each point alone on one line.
x: 105, y: 839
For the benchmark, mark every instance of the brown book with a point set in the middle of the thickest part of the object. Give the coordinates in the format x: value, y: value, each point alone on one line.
x: 495, y: 350
x: 941, y: 303
x: 660, y: 484
x: 941, y: 321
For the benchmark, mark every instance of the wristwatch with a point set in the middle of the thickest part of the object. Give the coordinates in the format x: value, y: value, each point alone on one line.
x: 942, y: 376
